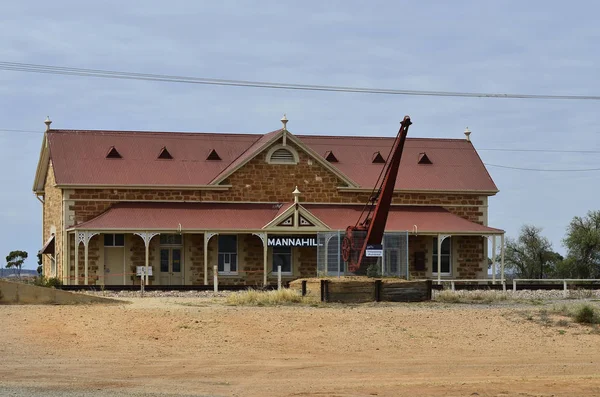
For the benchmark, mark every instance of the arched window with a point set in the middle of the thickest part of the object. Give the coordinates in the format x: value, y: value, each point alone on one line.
x: 282, y: 155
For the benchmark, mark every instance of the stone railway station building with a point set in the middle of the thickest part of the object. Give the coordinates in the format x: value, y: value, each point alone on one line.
x: 182, y: 203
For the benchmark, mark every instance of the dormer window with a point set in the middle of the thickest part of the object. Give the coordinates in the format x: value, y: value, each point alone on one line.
x: 282, y: 155
x: 424, y: 159
x: 164, y: 154
x: 113, y: 153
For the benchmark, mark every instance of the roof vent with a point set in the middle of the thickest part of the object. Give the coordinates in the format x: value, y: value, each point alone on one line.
x: 378, y: 158
x: 423, y: 159
x: 113, y: 153
x: 164, y: 154
x: 283, y: 156
x: 329, y: 156
x: 213, y: 155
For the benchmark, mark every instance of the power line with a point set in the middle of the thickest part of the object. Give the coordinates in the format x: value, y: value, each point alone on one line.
x: 22, y: 131
x: 542, y: 150
x: 112, y: 74
x: 542, y: 170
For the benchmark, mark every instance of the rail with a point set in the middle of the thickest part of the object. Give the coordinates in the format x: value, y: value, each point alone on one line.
x: 565, y: 282
x: 473, y: 280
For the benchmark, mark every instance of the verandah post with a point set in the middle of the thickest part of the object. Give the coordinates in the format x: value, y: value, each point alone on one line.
x: 215, y: 279
x: 278, y: 277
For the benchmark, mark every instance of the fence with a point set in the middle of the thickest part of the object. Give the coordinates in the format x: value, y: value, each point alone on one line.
x: 393, y: 263
x: 564, y: 281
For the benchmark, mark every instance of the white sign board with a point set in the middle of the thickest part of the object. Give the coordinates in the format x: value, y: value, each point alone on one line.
x: 375, y: 250
x: 141, y: 270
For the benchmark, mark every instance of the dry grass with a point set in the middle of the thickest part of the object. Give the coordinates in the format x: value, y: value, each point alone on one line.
x: 264, y: 298
x: 464, y: 296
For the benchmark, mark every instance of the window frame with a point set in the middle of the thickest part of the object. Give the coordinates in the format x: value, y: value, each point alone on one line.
x: 227, y: 270
x: 274, y: 268
x: 286, y: 147
x: 442, y: 255
x: 168, y: 239
x: 114, y: 239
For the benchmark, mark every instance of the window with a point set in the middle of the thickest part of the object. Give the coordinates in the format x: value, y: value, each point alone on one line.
x: 53, y: 260
x: 170, y: 239
x: 114, y: 240
x: 280, y: 154
x: 227, y: 254
x: 282, y: 256
x: 445, y: 256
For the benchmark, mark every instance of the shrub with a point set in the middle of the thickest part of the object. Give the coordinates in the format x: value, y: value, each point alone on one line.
x: 470, y: 296
x: 52, y: 282
x: 264, y: 298
x: 586, y: 314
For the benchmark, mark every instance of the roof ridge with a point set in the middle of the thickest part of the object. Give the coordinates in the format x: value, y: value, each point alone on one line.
x: 127, y: 132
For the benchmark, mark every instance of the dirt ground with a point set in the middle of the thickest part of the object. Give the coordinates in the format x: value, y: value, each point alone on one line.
x: 201, y: 346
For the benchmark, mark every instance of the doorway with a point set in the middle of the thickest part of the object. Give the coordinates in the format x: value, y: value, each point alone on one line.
x: 170, y: 266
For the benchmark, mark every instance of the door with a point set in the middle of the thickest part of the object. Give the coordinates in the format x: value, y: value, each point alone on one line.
x: 170, y: 266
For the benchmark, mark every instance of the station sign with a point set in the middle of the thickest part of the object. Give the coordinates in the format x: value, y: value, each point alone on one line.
x: 293, y: 241
x: 374, y: 250
x: 141, y: 270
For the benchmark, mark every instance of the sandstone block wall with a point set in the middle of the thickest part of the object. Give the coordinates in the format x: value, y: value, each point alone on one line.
x: 94, y: 260
x: 470, y: 261
x: 52, y: 221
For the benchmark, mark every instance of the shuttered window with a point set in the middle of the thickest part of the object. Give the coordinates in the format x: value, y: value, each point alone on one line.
x: 282, y: 156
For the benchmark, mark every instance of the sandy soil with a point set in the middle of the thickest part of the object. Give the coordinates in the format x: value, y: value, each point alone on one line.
x: 202, y: 346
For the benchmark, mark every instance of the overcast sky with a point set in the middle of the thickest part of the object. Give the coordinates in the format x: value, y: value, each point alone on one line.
x: 530, y: 47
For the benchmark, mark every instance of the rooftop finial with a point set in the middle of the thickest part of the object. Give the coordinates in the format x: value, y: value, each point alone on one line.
x: 467, y: 133
x: 48, y: 122
x: 296, y: 194
x: 284, y: 121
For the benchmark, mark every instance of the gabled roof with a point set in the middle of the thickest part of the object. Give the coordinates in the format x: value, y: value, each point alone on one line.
x: 79, y: 159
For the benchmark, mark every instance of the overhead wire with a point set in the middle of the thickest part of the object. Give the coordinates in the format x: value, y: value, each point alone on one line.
x: 114, y: 74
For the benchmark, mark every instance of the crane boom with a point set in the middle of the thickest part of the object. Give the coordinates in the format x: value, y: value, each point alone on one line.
x: 354, y: 244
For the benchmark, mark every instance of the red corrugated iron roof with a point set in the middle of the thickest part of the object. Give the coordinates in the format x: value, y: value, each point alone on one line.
x: 423, y: 219
x: 184, y: 216
x: 456, y: 166
x: 79, y: 158
x: 246, y: 216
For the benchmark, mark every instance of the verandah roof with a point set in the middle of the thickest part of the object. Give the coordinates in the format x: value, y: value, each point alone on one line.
x: 254, y: 217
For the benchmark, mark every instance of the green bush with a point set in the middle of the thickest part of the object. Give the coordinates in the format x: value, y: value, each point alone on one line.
x: 52, y: 282
x: 586, y: 314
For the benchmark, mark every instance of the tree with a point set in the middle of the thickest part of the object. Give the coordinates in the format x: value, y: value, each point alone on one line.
x: 583, y: 245
x: 16, y: 259
x: 40, y: 267
x: 531, y: 254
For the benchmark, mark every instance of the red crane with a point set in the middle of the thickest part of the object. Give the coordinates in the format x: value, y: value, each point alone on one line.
x: 370, y: 230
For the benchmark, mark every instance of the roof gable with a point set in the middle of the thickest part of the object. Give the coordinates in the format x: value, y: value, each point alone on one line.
x: 275, y: 138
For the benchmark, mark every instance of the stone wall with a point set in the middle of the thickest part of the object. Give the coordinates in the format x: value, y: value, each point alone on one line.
x: 419, y: 244
x: 137, y: 257
x: 94, y: 247
x: 307, y: 258
x: 195, y: 258
x: 52, y: 222
x: 469, y: 257
x: 251, y: 259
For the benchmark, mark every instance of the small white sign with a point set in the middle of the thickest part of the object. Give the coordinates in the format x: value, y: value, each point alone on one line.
x: 141, y: 270
x: 375, y: 250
